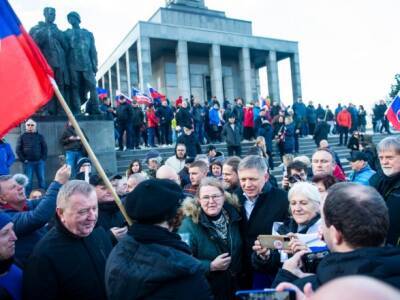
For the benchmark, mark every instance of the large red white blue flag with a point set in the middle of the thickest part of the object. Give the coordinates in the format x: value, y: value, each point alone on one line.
x: 140, y: 97
x: 155, y: 94
x: 393, y: 113
x: 24, y: 73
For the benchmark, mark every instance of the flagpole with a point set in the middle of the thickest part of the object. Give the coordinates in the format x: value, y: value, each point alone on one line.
x: 89, y: 150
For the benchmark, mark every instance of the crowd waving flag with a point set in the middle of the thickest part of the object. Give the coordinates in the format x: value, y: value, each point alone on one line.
x: 24, y: 73
x: 140, y: 97
x: 393, y: 113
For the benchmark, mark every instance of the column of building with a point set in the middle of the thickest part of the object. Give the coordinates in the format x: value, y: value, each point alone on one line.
x: 216, y: 72
x: 110, y: 87
x: 295, y: 72
x: 144, y: 62
x: 117, y: 69
x: 128, y: 73
x: 182, y: 69
x: 273, y: 78
x: 245, y: 73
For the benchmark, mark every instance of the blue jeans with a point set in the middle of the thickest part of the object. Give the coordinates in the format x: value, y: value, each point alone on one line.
x: 151, y: 131
x: 71, y: 159
x: 37, y: 167
x: 199, y: 130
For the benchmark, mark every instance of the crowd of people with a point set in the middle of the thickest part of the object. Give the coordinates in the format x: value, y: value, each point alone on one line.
x: 161, y: 123
x: 199, y: 219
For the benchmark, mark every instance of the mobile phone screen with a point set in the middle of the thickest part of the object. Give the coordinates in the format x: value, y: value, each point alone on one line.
x: 267, y: 294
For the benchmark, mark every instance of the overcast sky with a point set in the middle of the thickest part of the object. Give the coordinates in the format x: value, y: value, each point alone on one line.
x: 349, y: 49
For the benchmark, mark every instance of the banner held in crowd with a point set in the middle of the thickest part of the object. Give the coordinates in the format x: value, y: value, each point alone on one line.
x: 24, y: 72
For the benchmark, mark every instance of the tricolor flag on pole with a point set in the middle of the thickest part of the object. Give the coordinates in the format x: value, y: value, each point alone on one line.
x: 118, y: 95
x: 24, y: 73
x: 393, y: 112
x: 140, y: 97
x: 155, y: 94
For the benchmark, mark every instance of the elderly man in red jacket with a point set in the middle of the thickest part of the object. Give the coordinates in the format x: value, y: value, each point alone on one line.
x: 343, y: 120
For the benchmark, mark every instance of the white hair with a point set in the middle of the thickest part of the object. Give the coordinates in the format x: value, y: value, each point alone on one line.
x: 307, y: 190
x: 73, y: 187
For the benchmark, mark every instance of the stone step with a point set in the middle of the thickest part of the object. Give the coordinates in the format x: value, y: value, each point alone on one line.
x: 307, y: 147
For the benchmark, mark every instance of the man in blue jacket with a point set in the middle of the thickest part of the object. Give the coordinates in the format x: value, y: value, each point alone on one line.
x: 362, y: 172
x: 7, y: 157
x: 29, y: 217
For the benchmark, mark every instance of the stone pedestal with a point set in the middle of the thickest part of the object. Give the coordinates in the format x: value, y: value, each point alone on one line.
x: 98, y: 129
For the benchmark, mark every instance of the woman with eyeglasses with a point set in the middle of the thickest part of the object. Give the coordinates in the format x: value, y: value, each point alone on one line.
x: 211, y: 227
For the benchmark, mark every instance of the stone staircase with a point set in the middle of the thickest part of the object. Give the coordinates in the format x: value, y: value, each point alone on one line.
x: 307, y: 147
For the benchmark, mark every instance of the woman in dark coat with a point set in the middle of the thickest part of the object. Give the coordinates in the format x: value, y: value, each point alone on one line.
x: 211, y: 226
x: 279, y: 126
x: 362, y: 118
x: 289, y: 133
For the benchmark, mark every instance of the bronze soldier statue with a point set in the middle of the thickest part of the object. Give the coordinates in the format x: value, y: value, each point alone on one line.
x: 52, y: 43
x: 82, y: 63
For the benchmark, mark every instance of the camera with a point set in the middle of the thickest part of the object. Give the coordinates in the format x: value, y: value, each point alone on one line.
x: 311, y: 260
x: 294, y: 178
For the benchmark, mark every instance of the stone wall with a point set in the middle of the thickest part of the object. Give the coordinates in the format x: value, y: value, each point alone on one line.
x: 100, y: 133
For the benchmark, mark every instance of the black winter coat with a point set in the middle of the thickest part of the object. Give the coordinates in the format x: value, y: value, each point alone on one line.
x: 137, y: 116
x: 382, y: 263
x: 311, y: 114
x: 271, y: 206
x: 239, y: 114
x: 31, y: 147
x: 110, y: 216
x: 192, y: 144
x: 232, y: 137
x: 124, y: 113
x: 198, y: 114
x: 389, y: 188
x: 183, y: 117
x: 64, y: 266
x: 321, y: 132
x: 159, y: 266
x: 73, y: 145
x: 354, y: 144
x: 165, y: 115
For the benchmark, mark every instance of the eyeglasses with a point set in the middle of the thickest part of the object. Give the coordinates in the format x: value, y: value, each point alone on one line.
x: 213, y: 197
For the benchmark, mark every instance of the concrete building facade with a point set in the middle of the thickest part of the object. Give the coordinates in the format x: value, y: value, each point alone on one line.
x: 187, y: 49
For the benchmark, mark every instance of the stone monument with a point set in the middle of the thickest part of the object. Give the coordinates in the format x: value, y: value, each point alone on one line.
x: 52, y: 43
x: 73, y: 58
x: 82, y: 63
